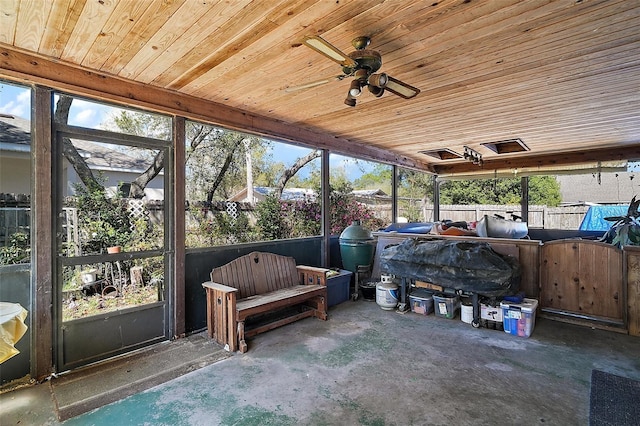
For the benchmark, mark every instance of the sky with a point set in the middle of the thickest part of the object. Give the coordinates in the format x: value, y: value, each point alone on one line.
x: 16, y: 100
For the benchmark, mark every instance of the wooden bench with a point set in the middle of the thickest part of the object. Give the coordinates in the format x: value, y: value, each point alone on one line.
x: 260, y: 283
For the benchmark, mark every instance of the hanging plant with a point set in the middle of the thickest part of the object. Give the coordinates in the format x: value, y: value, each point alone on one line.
x: 626, y: 229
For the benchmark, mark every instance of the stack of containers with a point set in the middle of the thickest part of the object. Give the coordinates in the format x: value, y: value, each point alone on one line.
x: 421, y: 301
x: 519, y: 319
x: 446, y: 305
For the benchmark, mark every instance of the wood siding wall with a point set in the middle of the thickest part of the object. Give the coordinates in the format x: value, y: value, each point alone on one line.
x: 632, y: 257
x: 583, y: 277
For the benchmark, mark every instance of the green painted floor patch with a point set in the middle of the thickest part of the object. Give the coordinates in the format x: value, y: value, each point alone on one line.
x: 254, y: 416
x: 181, y: 402
x: 370, y: 341
x: 368, y: 420
x: 248, y: 375
x: 318, y: 418
x: 325, y: 391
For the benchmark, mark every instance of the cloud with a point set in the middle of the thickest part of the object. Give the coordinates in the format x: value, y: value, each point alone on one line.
x: 24, y: 97
x: 20, y: 101
x: 85, y: 117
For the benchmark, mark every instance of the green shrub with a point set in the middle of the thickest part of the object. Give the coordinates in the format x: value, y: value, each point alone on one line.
x: 18, y: 250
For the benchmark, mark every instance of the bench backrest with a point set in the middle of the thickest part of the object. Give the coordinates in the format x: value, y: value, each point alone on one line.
x: 257, y: 273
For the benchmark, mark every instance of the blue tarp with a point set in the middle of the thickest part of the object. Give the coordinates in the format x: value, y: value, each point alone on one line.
x: 594, y: 218
x: 410, y: 228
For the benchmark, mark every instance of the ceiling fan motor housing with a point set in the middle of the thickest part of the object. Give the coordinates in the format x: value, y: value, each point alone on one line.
x: 369, y: 60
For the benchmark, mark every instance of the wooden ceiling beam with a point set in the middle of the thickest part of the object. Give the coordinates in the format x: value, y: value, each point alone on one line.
x: 620, y: 153
x: 20, y: 65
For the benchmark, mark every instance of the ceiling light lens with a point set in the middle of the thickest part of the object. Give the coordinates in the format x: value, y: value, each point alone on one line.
x: 355, y: 90
x: 379, y: 80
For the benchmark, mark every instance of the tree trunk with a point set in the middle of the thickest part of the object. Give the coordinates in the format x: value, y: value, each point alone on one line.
x: 291, y: 171
x: 141, y: 182
x: 69, y: 151
x: 227, y: 163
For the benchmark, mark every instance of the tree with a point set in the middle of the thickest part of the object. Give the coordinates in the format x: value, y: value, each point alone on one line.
x: 295, y: 167
x: 69, y: 151
x: 378, y: 178
x: 215, y: 161
x: 542, y: 190
x: 414, y: 185
x: 145, y: 125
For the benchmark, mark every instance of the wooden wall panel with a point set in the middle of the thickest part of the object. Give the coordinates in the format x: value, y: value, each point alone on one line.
x: 530, y: 268
x: 583, y: 277
x: 558, y: 286
x: 633, y: 289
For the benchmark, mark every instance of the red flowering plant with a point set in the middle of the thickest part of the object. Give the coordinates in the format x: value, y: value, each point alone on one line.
x: 344, y: 209
x: 294, y: 219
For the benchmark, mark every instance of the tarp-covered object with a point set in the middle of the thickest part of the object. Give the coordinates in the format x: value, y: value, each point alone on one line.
x: 594, y: 218
x: 462, y: 265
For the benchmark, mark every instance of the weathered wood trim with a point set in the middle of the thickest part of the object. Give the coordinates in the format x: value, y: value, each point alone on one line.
x: 20, y: 65
x: 42, y: 233
x: 326, y: 215
x: 179, y: 137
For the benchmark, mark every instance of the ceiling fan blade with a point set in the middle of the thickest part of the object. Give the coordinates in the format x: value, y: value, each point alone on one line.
x: 327, y: 49
x: 314, y: 83
x: 400, y: 88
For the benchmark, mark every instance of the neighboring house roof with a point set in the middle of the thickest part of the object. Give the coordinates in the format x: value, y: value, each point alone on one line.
x: 99, y: 157
x: 15, y: 135
x: 368, y: 192
x: 290, y: 194
x: 612, y: 188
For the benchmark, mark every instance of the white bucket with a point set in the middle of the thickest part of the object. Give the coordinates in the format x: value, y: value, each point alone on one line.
x: 387, y: 296
x: 466, y: 313
x: 386, y: 279
x: 88, y: 276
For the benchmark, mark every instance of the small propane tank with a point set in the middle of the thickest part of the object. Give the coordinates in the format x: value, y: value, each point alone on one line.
x: 387, y: 293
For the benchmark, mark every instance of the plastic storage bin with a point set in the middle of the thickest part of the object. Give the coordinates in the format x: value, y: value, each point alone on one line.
x: 445, y: 306
x: 519, y: 319
x: 491, y: 316
x: 338, y: 287
x: 421, y: 302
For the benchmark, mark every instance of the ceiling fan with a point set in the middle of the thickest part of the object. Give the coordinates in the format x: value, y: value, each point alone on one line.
x: 361, y: 64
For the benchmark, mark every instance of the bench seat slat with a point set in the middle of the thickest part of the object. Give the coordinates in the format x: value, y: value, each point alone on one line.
x: 275, y: 299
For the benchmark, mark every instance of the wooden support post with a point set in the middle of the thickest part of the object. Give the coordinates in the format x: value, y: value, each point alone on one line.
x: 633, y: 289
x: 242, y: 344
x: 136, y: 276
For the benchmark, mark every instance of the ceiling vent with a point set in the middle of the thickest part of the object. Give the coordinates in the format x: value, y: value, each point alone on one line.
x: 442, y: 154
x: 507, y: 146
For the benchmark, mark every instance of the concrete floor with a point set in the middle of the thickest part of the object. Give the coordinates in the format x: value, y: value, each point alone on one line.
x: 366, y: 366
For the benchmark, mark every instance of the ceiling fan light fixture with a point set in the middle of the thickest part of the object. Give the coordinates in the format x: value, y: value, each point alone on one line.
x: 350, y: 101
x: 378, y: 80
x: 375, y: 90
x: 355, y: 89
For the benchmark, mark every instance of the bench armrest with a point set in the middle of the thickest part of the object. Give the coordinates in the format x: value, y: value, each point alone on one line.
x: 312, y: 275
x: 219, y: 287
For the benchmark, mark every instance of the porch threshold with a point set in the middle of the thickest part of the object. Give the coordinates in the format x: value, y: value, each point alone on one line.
x: 92, y: 387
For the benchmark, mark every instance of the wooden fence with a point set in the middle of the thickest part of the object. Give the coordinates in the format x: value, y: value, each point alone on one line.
x: 16, y: 217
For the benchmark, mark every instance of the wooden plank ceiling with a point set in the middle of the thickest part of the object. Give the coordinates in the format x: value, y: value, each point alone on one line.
x: 563, y: 76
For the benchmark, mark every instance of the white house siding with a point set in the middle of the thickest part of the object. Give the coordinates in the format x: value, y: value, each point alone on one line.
x: 15, y: 173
